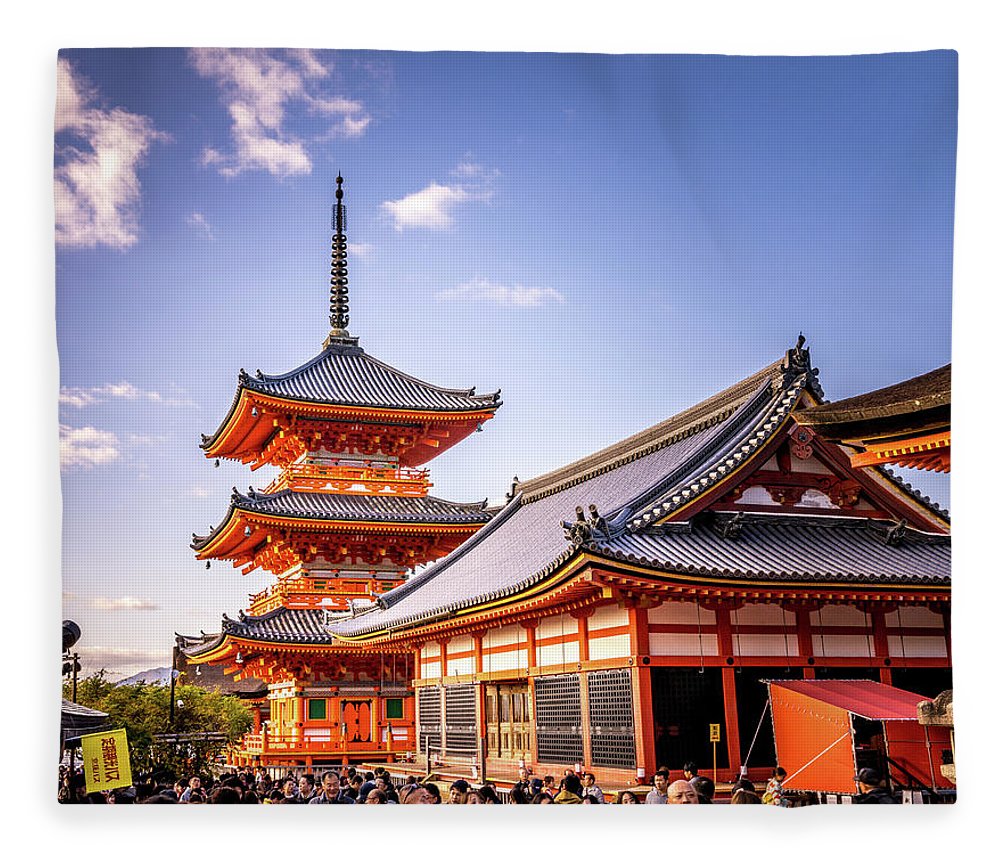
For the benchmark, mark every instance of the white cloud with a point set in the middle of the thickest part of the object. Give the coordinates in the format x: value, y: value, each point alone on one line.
x: 83, y: 397
x: 364, y: 250
x: 97, y: 190
x: 432, y: 207
x: 114, y: 604
x: 516, y: 296
x: 257, y: 87
x: 200, y: 223
x: 200, y: 492
x: 86, y: 447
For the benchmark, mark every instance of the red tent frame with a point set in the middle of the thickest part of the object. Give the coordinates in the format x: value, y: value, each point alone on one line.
x: 815, y: 737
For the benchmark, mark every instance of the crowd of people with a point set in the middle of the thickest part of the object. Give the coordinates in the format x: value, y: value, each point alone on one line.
x: 350, y: 786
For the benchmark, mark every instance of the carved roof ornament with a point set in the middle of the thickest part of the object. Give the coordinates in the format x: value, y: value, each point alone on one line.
x: 585, y: 529
x: 339, y: 309
x: 797, y: 363
x: 895, y: 535
x: 733, y: 526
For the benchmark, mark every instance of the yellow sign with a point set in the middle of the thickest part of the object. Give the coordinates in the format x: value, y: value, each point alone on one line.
x: 715, y: 732
x: 105, y: 760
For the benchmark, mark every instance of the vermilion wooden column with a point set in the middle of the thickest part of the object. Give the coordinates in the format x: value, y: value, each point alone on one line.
x: 880, y: 638
x: 803, y: 632
x: 581, y: 616
x: 443, y: 643
x: 724, y: 637
x: 530, y: 626
x: 642, y: 691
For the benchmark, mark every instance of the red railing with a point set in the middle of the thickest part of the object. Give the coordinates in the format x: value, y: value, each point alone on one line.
x: 363, y: 480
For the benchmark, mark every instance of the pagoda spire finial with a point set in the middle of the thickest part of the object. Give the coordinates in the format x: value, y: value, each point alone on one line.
x: 339, y: 316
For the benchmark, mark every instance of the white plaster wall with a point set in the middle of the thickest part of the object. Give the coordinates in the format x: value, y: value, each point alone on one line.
x: 458, y: 644
x: 765, y: 645
x: 763, y: 613
x: 682, y: 645
x: 517, y: 659
x: 431, y: 649
x: 430, y: 670
x: 611, y: 615
x: 509, y: 634
x: 914, y: 616
x: 843, y: 646
x: 556, y: 625
x: 551, y: 655
x: 461, y: 665
x: 917, y: 646
x: 680, y: 612
x: 840, y: 616
x: 608, y: 647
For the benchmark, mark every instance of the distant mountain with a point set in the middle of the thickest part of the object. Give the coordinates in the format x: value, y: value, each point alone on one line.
x: 150, y: 676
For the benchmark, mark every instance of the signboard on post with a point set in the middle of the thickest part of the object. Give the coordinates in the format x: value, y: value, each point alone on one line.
x: 715, y: 735
x: 106, y: 761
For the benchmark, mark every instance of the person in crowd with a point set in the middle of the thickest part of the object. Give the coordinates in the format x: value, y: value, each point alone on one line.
x: 458, y: 792
x: 419, y: 794
x: 193, y: 787
x: 366, y: 786
x: 376, y: 795
x: 384, y: 784
x: 274, y: 796
x: 704, y: 788
x: 250, y: 796
x: 520, y: 791
x: 331, y: 792
x: 681, y: 791
x: 435, y: 793
x: 549, y: 786
x: 474, y: 797
x: 354, y: 784
x: 225, y: 794
x: 871, y: 787
x: 591, y: 789
x: 570, y: 790
x: 488, y: 793
x: 774, y: 791
x: 661, y: 780
x: 626, y: 796
x: 290, y: 789
x: 307, y: 788
x: 542, y: 797
x: 744, y: 795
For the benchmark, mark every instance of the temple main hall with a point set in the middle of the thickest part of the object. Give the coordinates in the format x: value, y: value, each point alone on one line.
x: 607, y: 616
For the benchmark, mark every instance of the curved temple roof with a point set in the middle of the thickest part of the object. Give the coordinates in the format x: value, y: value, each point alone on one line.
x: 280, y: 626
x: 338, y: 507
x: 345, y: 375
x: 654, y: 476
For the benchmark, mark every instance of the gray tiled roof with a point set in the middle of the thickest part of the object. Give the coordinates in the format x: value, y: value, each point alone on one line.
x: 773, y: 547
x: 345, y: 375
x: 345, y: 507
x: 281, y: 625
x: 632, y: 488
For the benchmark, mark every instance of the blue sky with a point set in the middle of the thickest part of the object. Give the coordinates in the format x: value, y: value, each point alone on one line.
x: 608, y: 239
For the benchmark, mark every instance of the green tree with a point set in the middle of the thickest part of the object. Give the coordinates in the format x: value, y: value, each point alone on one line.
x: 144, y: 711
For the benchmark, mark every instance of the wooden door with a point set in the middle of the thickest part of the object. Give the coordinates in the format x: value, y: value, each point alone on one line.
x: 508, y: 721
x: 356, y: 717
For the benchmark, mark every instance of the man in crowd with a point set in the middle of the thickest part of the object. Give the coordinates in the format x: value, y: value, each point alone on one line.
x: 661, y: 779
x: 459, y: 792
x: 590, y: 788
x: 681, y: 791
x: 307, y: 785
x: 871, y: 788
x: 331, y: 792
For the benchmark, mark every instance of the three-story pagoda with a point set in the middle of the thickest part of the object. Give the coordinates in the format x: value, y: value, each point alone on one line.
x: 348, y: 518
